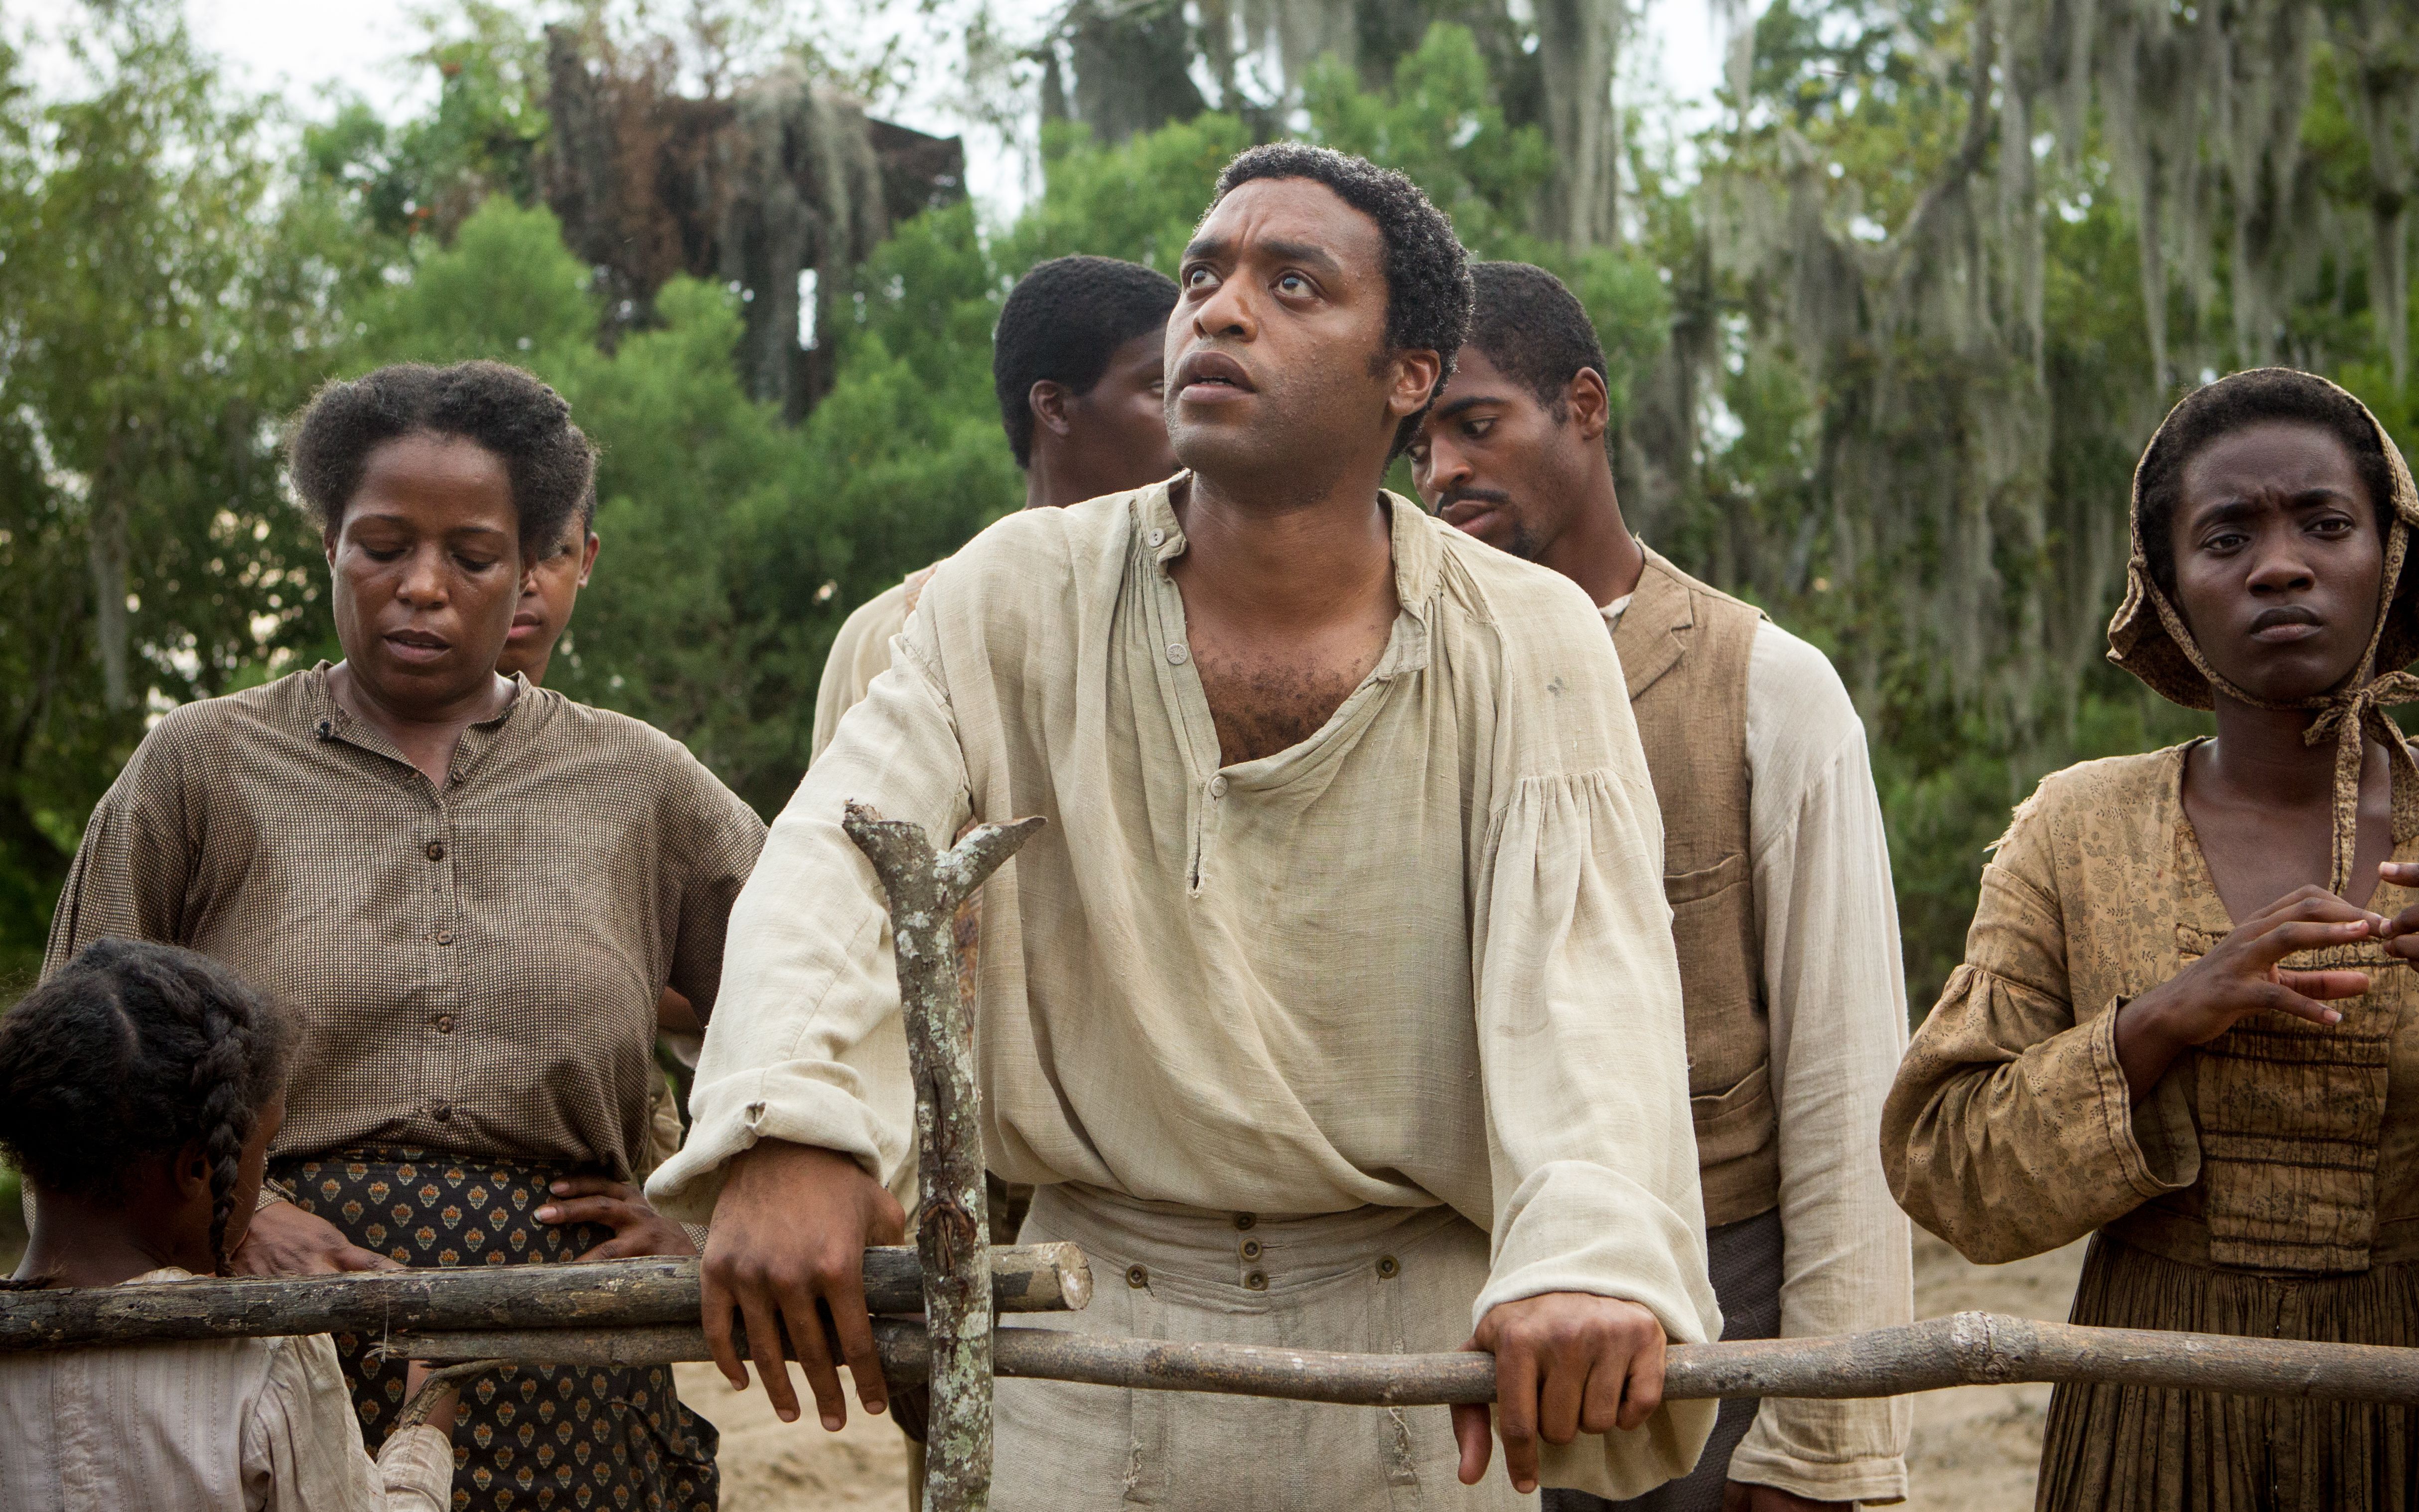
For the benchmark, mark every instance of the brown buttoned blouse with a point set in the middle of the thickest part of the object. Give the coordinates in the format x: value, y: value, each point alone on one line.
x: 475, y: 963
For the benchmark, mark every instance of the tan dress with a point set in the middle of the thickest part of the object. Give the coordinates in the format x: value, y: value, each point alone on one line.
x: 2269, y: 1186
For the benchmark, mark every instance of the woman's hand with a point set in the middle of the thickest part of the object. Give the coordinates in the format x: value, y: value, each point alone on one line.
x: 638, y: 1229
x: 285, y: 1240
x: 2241, y: 977
x: 2401, y: 932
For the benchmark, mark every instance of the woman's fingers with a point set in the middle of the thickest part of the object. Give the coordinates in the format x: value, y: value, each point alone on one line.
x: 613, y: 1213
x: 2306, y: 993
x: 2292, y: 936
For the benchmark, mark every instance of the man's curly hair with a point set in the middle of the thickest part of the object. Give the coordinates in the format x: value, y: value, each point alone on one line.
x: 1428, y: 273
x: 526, y: 424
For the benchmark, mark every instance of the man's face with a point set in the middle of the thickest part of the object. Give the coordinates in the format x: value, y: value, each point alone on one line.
x: 1117, y: 433
x: 1493, y: 461
x: 548, y: 591
x: 1277, y: 366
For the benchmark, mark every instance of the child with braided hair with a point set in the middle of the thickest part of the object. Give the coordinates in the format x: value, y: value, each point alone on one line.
x: 140, y: 1088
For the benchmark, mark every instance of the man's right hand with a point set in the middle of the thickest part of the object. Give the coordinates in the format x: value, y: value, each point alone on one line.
x: 790, y: 1233
x: 2239, y: 977
x: 285, y: 1240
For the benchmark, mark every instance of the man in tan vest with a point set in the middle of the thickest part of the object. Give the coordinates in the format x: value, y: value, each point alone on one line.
x: 1778, y: 879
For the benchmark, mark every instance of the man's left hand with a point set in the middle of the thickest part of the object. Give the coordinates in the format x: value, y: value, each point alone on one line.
x: 638, y: 1229
x: 1737, y: 1496
x: 1565, y: 1364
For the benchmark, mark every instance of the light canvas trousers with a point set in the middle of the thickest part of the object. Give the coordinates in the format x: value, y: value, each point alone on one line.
x: 1377, y: 1280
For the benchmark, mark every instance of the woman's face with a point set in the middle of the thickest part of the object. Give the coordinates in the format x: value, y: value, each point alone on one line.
x: 427, y: 569
x: 2278, y: 559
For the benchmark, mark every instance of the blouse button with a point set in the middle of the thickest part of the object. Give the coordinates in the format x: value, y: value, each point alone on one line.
x: 444, y: 1111
x: 437, y: 850
x: 445, y: 937
x: 1157, y: 537
x: 444, y: 1022
x: 1176, y: 653
x: 1218, y: 786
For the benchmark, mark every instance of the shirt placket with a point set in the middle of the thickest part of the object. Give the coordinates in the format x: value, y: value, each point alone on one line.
x: 442, y: 946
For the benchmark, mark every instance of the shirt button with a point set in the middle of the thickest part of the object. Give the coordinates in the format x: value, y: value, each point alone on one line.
x: 1158, y: 536
x: 444, y: 1022
x: 1256, y: 1281
x: 1218, y: 786
x: 437, y: 850
x: 444, y: 1111
x: 1176, y: 653
x: 1137, y: 1277
x: 445, y: 937
x: 1245, y: 1220
x: 1251, y: 1249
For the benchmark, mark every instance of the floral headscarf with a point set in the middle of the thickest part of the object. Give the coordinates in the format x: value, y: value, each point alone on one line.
x: 2148, y: 638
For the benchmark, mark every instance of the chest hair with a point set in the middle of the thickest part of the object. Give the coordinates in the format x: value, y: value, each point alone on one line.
x: 1261, y: 705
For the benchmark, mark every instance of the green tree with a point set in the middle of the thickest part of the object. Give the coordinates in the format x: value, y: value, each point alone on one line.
x: 165, y: 296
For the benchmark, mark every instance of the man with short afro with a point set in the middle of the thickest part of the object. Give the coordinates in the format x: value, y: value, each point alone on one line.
x: 1075, y: 360
x: 1335, y: 1007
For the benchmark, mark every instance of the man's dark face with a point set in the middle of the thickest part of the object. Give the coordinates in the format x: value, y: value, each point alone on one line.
x: 1495, y: 462
x: 1278, y: 371
x: 1116, y: 433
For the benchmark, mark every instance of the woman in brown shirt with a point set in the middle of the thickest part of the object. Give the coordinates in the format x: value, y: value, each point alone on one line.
x: 471, y: 891
x: 2186, y: 1022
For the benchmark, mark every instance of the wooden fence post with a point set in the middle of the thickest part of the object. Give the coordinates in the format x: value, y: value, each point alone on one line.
x: 953, y: 1229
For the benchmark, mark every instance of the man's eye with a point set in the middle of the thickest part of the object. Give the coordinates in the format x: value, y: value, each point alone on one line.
x: 1197, y: 277
x: 1293, y: 284
x: 1479, y: 427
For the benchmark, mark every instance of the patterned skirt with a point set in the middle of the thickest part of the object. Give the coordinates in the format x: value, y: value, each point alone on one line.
x: 529, y: 1436
x: 2146, y: 1449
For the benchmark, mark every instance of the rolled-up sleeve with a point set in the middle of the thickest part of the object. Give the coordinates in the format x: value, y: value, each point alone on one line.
x: 804, y: 1045
x: 1585, y: 1064
x: 2010, y: 1130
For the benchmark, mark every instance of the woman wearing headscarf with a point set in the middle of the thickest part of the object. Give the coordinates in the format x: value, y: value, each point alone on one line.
x: 2186, y: 1024
x: 470, y: 891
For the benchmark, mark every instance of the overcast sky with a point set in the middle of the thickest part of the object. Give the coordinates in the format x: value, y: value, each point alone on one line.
x: 300, y: 48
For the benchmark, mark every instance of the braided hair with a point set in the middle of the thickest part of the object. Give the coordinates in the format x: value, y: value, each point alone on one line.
x: 134, y: 1049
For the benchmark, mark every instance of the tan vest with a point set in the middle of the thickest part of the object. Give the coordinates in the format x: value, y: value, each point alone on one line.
x: 1684, y: 649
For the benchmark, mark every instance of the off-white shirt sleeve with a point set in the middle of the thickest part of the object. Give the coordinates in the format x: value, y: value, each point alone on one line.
x: 302, y: 1446
x: 807, y: 1047
x: 1586, y: 1059
x: 1837, y: 995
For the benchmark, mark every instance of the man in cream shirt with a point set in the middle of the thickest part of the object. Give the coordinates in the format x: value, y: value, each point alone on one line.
x: 1335, y: 1008
x: 1779, y: 877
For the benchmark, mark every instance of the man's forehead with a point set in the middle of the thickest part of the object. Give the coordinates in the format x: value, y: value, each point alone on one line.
x: 1289, y: 215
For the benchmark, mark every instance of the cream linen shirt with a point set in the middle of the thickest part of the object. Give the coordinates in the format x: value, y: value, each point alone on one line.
x: 211, y: 1425
x: 1422, y: 957
x: 1837, y: 997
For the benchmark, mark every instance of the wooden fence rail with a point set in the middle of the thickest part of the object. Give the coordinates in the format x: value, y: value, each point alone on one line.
x: 611, y: 1294
x: 1964, y: 1349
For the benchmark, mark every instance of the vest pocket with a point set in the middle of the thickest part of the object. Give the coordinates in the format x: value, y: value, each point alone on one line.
x: 1712, y: 910
x: 1735, y: 1123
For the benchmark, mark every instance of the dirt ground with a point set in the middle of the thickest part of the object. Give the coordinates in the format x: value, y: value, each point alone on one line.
x: 1973, y: 1451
